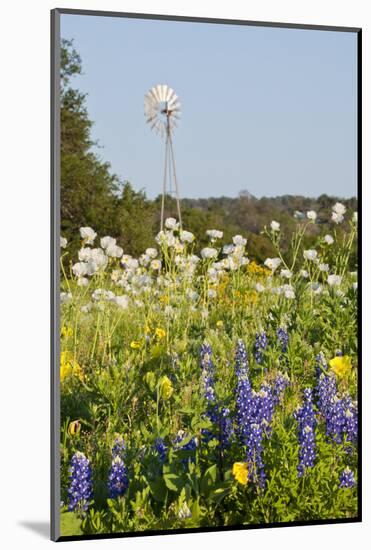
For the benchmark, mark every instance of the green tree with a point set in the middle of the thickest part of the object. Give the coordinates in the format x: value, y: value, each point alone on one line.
x: 87, y: 186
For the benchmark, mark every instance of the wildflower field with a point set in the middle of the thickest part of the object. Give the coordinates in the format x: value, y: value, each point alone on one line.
x: 206, y: 390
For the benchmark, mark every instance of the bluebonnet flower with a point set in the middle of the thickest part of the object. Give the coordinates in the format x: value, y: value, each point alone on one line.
x: 240, y: 358
x: 161, y: 449
x: 342, y: 420
x: 191, y: 445
x: 280, y: 384
x: 339, y: 413
x: 80, y: 490
x: 217, y: 415
x: 208, y: 372
x: 283, y: 339
x: 321, y: 360
x: 118, y: 448
x: 249, y: 427
x: 225, y: 427
x: 306, y: 419
x: 254, y: 414
x: 347, y: 479
x: 325, y: 390
x: 264, y: 408
x: 261, y: 343
x: 118, y: 480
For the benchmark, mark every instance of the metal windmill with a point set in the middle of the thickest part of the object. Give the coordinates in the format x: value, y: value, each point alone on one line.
x: 162, y: 111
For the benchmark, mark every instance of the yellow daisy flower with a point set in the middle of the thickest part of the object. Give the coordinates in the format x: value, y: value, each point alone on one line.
x: 166, y: 388
x: 160, y: 333
x: 240, y: 472
x: 341, y: 365
x: 69, y: 367
x: 135, y: 344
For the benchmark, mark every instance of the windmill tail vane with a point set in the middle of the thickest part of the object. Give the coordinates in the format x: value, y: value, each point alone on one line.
x: 162, y: 113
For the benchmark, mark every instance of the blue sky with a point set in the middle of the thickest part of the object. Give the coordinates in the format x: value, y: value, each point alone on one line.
x: 269, y: 110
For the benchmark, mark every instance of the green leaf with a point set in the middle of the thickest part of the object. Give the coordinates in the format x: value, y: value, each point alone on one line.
x: 173, y: 482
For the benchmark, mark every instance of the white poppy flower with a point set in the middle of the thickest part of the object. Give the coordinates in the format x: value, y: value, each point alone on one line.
x: 121, y: 301
x: 65, y: 297
x: 329, y: 239
x: 288, y: 292
x: 106, y: 242
x: 323, y: 267
x: 239, y: 240
x: 186, y: 237
x: 259, y: 287
x: 156, y: 265
x: 334, y: 280
x: 304, y: 273
x: 336, y: 217
x: 194, y: 259
x: 211, y: 293
x: 275, y: 226
x: 339, y: 208
x: 101, y: 293
x: 171, y: 223
x: 214, y: 234
x: 272, y: 263
x: 286, y: 273
x: 310, y: 255
x: 84, y: 254
x: 312, y: 215
x: 98, y: 257
x: 192, y: 295
x: 132, y: 263
x: 114, y: 251
x: 87, y: 234
x: 228, y: 248
x: 79, y: 269
x: 63, y: 242
x: 82, y: 281
x: 151, y: 252
x: 208, y: 253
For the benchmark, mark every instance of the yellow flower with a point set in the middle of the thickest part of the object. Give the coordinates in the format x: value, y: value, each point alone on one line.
x: 341, y: 365
x: 69, y: 367
x: 160, y: 333
x: 240, y: 472
x: 166, y: 388
x: 74, y: 427
x: 135, y: 344
x: 219, y: 324
x: 66, y: 331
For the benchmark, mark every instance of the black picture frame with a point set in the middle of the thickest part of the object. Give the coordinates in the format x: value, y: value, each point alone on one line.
x: 55, y: 277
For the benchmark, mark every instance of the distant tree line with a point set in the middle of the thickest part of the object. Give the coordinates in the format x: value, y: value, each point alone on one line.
x: 91, y: 195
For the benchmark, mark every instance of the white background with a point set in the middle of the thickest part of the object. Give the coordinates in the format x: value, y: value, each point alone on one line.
x: 24, y: 268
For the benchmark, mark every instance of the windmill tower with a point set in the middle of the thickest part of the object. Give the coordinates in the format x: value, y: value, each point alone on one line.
x: 162, y: 111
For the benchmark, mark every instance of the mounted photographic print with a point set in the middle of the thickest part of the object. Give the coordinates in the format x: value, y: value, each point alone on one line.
x: 205, y: 306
